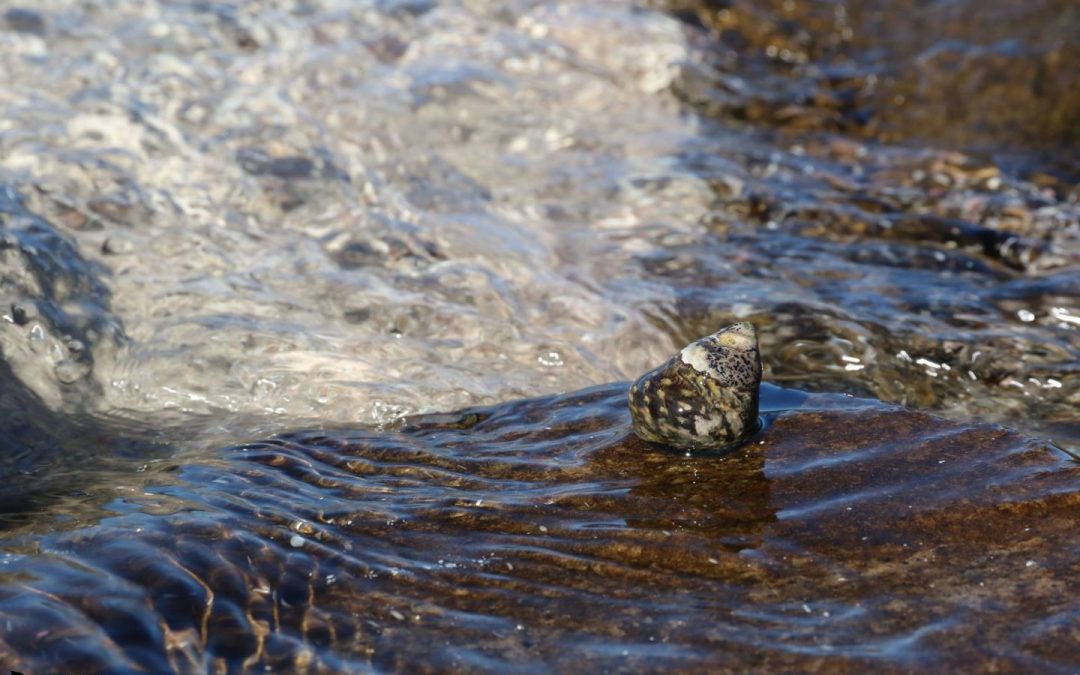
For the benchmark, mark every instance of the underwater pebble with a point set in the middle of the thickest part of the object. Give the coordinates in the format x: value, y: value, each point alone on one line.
x: 22, y: 20
x: 116, y: 245
x: 22, y: 314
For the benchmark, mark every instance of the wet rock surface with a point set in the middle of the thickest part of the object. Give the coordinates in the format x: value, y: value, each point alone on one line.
x: 994, y: 76
x: 56, y: 309
x: 542, y: 534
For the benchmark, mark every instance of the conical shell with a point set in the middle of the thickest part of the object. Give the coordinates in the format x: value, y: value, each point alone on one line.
x: 704, y: 397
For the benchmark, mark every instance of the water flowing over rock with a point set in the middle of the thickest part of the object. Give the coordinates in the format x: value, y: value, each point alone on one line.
x: 223, y: 221
x: 542, y: 534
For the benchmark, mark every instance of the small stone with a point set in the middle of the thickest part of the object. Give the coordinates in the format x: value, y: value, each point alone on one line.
x: 117, y: 245
x: 259, y: 163
x: 406, y: 7
x: 358, y: 315
x: 297, y: 541
x: 22, y: 20
x: 23, y: 314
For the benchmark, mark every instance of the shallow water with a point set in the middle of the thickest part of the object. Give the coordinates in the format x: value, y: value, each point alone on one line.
x: 222, y: 220
x: 540, y: 534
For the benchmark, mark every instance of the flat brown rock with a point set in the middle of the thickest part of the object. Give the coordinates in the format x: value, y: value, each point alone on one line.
x: 543, y: 535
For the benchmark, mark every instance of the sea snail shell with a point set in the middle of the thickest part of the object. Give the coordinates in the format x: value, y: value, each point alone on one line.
x: 704, y: 397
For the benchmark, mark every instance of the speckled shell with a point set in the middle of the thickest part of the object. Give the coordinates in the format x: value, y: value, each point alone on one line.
x: 704, y: 397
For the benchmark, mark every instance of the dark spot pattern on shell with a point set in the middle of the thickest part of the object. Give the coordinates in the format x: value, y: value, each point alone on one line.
x: 704, y: 397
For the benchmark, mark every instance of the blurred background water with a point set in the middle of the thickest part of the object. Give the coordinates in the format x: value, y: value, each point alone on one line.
x: 353, y: 211
x: 219, y: 220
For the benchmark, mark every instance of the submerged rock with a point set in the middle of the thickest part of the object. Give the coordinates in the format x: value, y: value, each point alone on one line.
x: 24, y: 20
x: 57, y: 318
x: 543, y: 535
x: 704, y: 397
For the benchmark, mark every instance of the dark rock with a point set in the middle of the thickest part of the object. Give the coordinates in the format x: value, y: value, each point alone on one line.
x: 359, y: 315
x: 23, y: 313
x: 259, y: 163
x: 23, y: 20
x: 412, y: 8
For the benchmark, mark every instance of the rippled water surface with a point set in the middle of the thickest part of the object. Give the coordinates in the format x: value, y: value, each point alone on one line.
x: 540, y: 534
x: 222, y: 221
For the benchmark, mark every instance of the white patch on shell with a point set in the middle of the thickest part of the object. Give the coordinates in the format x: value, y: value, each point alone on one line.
x: 697, y: 357
x: 703, y: 426
x: 736, y: 340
